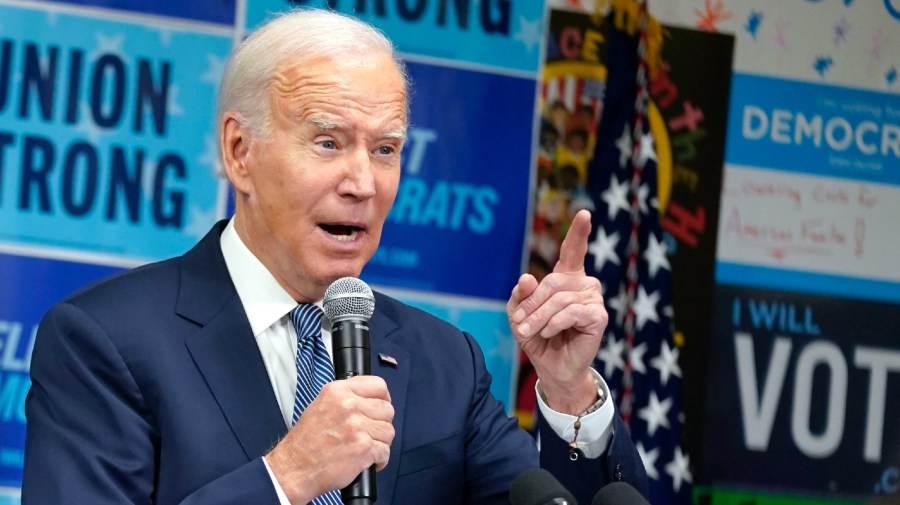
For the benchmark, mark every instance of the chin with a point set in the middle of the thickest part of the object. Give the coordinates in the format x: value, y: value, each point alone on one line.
x: 341, y: 269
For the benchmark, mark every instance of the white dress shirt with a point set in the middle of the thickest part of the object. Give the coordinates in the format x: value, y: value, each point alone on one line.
x: 268, y: 308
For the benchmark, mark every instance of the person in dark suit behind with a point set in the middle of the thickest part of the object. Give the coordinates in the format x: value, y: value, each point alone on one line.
x: 175, y: 382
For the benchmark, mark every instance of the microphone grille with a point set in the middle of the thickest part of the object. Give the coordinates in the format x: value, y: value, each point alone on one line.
x: 348, y: 297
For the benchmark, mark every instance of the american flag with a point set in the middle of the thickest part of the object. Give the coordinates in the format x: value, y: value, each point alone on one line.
x: 628, y: 253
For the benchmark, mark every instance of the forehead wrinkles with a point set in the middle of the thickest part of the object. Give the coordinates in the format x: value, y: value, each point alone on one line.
x: 332, y: 94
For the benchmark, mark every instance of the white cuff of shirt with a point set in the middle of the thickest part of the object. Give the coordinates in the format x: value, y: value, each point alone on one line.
x: 282, y: 498
x: 596, y: 427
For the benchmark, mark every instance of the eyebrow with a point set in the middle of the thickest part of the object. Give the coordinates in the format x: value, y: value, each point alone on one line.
x: 397, y: 134
x: 325, y: 124
x: 328, y: 124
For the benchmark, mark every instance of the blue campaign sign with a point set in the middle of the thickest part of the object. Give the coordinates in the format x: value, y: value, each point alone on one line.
x: 106, y: 134
x: 214, y: 11
x: 784, y: 279
x: 495, y: 33
x: 814, y: 129
x: 458, y: 223
x: 30, y: 286
x: 802, y: 395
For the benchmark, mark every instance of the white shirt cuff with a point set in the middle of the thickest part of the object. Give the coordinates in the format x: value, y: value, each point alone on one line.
x: 596, y: 427
x: 282, y: 498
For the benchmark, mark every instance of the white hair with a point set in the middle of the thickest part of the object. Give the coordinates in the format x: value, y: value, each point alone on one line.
x: 301, y: 35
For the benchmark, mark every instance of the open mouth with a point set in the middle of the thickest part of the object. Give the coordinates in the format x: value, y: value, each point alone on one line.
x: 342, y: 232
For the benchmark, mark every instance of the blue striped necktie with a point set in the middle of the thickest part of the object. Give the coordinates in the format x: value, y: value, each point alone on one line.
x: 314, y: 370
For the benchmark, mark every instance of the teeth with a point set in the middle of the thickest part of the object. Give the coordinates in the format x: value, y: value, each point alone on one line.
x: 347, y: 238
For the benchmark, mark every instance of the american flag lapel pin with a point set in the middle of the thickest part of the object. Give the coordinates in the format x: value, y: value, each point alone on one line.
x: 388, y: 360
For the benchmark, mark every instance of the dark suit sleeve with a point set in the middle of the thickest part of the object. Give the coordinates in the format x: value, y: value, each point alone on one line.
x: 585, y: 476
x: 497, y: 450
x: 91, y: 437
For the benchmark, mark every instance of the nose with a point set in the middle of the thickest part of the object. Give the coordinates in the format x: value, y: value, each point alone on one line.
x: 359, y: 178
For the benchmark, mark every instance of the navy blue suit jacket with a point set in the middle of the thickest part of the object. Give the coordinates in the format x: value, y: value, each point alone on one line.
x: 149, y: 388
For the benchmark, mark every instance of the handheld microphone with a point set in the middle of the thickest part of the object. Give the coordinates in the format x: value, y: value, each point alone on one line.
x: 537, y: 486
x: 619, y: 493
x: 348, y: 305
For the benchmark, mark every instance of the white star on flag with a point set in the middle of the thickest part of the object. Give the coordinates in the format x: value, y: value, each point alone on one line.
x: 603, y: 248
x: 616, y: 198
x: 645, y: 307
x: 619, y: 304
x: 647, y: 152
x: 666, y: 363
x: 656, y: 413
x: 637, y: 358
x: 643, y: 193
x: 623, y: 175
x: 649, y: 459
x: 655, y: 254
x: 611, y: 354
x: 678, y: 469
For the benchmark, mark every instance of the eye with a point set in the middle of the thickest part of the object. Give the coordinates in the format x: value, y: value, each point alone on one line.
x: 386, y: 150
x: 329, y: 144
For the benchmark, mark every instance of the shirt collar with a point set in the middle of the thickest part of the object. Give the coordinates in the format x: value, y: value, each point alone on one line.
x: 264, y: 300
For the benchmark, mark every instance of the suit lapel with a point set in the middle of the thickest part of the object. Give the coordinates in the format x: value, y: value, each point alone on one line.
x: 397, y: 379
x: 228, y: 358
x: 224, y: 349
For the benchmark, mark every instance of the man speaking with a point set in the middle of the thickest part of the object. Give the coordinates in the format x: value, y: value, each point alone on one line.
x: 206, y: 379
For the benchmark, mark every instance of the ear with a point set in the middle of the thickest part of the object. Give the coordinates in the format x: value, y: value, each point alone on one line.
x: 235, y: 142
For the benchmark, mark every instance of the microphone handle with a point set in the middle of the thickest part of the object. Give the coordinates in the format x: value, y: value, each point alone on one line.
x: 362, y: 490
x: 350, y: 346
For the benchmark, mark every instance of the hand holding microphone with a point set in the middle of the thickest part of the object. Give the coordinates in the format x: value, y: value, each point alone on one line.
x: 346, y: 432
x: 349, y: 304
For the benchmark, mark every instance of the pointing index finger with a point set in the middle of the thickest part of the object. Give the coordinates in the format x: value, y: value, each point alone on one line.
x: 574, y: 246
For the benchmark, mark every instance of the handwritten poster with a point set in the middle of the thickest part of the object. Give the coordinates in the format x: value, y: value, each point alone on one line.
x: 839, y: 234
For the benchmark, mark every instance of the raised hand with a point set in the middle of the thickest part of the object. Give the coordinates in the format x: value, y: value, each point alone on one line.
x: 560, y: 321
